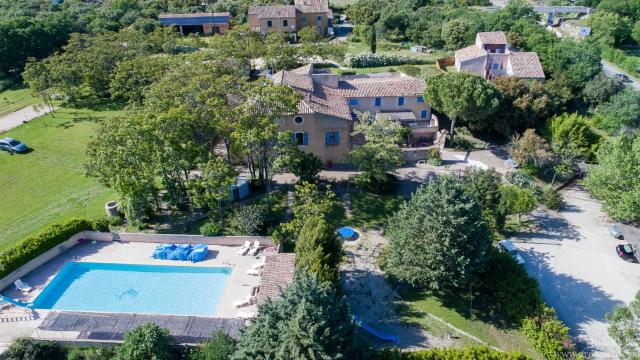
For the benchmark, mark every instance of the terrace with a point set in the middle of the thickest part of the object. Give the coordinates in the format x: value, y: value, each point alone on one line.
x: 105, y: 326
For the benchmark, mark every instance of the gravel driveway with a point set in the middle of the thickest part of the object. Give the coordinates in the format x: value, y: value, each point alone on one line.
x: 573, y: 257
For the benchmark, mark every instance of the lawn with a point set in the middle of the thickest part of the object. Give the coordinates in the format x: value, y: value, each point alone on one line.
x: 48, y: 184
x: 372, y: 210
x: 16, y: 99
x: 483, y: 321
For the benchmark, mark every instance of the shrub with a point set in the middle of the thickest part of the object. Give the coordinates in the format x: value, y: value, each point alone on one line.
x: 366, y: 59
x: 547, y: 334
x: 101, y: 223
x: 31, y: 247
x: 517, y: 178
x: 211, y: 228
x: 551, y: 198
x: 410, y: 70
x: 468, y: 352
x: 460, y: 143
x: 249, y: 220
x: 114, y: 220
x: 30, y: 349
x: 220, y: 347
x: 148, y: 341
x: 433, y: 157
x: 91, y: 353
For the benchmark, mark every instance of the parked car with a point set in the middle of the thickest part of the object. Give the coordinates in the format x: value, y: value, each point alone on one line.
x: 506, y: 245
x: 616, y: 232
x: 623, y: 78
x: 12, y: 145
x: 626, y: 252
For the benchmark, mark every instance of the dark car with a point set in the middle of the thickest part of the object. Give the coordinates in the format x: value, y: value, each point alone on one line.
x: 12, y: 145
x: 626, y: 252
x: 623, y: 78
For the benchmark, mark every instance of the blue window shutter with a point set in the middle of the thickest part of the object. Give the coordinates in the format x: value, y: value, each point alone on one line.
x: 305, y: 139
x: 378, y: 101
x: 401, y: 100
x: 327, y: 138
x: 420, y: 99
x: 423, y: 114
x: 337, y: 137
x: 293, y: 136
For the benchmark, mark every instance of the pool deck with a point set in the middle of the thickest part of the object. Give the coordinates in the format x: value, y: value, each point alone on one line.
x: 239, y: 284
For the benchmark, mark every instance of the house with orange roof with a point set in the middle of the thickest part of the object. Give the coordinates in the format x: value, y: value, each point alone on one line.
x: 291, y: 18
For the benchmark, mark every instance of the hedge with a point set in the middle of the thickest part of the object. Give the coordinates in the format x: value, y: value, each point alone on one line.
x: 468, y: 352
x: 31, y: 247
x: 364, y: 60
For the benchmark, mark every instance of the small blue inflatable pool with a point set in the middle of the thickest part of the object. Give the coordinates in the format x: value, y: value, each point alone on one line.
x: 346, y: 232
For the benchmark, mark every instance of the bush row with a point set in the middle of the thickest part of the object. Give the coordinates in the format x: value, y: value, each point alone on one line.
x: 52, y: 235
x: 366, y: 59
x: 468, y: 352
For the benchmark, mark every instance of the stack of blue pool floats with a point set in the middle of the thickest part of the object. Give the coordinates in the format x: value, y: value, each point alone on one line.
x: 184, y: 252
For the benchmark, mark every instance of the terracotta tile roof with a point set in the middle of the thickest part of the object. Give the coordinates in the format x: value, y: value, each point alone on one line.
x: 526, y: 65
x: 273, y: 12
x: 277, y: 273
x: 312, y: 6
x: 168, y: 15
x: 469, y: 52
x: 493, y: 37
x: 381, y: 86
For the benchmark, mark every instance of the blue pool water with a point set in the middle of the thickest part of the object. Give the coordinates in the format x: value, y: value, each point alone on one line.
x: 125, y: 288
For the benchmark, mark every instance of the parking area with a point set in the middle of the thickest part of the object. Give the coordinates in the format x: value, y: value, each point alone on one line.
x: 573, y: 257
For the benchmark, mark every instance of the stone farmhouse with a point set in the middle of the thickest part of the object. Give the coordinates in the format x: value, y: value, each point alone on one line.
x: 291, y: 18
x: 202, y: 23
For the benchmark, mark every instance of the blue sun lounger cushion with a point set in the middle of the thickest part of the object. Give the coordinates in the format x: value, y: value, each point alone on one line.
x: 163, y: 250
x: 199, y: 252
x: 182, y: 253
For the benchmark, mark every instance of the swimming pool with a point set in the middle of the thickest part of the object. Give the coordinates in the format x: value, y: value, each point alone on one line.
x: 144, y: 289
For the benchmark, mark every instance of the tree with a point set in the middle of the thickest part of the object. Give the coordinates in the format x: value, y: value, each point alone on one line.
x: 615, y: 181
x: 308, y: 321
x: 438, y: 238
x: 219, y: 347
x: 457, y: 33
x: 212, y: 185
x: 635, y: 33
x: 483, y: 186
x: 579, y: 62
x: 600, y: 89
x: 609, y: 28
x: 132, y: 77
x: 530, y: 148
x: 249, y: 220
x: 516, y: 200
x: 380, y: 153
x: 620, y: 112
x: 462, y: 96
x: 279, y: 54
x: 146, y: 342
x: 373, y: 41
x: 30, y: 349
x: 305, y: 165
x: 318, y: 250
x: 624, y: 328
x: 572, y: 135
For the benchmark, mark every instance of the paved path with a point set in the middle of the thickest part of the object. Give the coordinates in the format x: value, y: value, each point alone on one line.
x: 573, y: 257
x: 610, y: 70
x: 21, y: 116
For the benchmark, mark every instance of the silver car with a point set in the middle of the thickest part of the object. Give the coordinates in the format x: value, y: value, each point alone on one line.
x: 615, y: 231
x: 506, y: 245
x: 12, y: 145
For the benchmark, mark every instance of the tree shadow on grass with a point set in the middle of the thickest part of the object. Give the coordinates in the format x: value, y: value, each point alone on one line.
x: 98, y: 104
x: 78, y: 120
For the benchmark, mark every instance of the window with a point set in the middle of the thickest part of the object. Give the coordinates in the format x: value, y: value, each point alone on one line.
x: 298, y: 120
x: 401, y: 100
x: 423, y: 114
x: 353, y: 102
x: 301, y: 138
x: 303, y: 18
x: 495, y: 66
x: 285, y: 23
x: 319, y: 17
x: 420, y: 99
x: 332, y: 137
x: 269, y: 23
x: 378, y: 101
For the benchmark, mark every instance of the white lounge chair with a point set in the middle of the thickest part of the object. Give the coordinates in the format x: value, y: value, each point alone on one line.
x: 243, y: 250
x: 246, y: 315
x: 259, y: 264
x: 254, y: 248
x: 246, y: 301
x: 254, y: 272
x: 21, y: 286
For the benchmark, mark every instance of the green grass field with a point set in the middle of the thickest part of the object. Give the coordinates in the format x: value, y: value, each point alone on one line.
x: 16, y: 99
x: 48, y: 184
x: 482, y: 322
x: 369, y: 210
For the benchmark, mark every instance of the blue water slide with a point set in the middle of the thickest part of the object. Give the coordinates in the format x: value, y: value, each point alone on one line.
x: 382, y: 336
x: 16, y: 303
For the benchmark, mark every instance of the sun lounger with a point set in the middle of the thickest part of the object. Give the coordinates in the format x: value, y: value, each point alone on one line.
x: 243, y: 250
x: 259, y: 264
x: 246, y: 301
x: 198, y: 253
x: 254, y: 248
x: 246, y: 315
x: 162, y: 250
x: 254, y: 272
x: 182, y: 253
x: 21, y: 286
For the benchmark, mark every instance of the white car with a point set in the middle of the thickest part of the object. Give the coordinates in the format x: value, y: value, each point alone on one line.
x: 506, y: 245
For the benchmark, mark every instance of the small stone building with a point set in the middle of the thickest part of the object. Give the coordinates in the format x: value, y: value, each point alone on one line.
x: 202, y: 23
